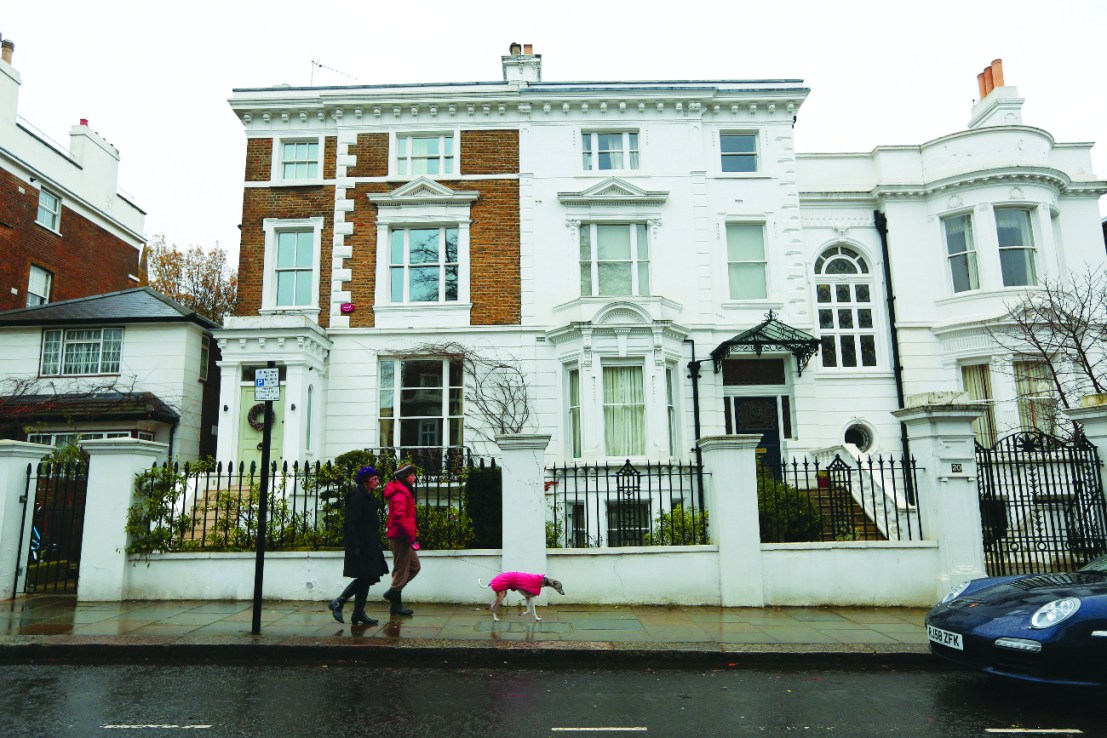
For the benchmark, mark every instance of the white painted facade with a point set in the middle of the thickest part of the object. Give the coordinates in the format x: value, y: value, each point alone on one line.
x: 679, y: 199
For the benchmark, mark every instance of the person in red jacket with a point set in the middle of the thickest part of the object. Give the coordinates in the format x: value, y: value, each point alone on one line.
x: 402, y: 535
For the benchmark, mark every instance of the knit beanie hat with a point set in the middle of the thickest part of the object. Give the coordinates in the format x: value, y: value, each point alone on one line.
x: 405, y: 470
x: 364, y: 473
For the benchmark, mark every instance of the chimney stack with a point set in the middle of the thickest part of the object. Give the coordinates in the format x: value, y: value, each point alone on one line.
x: 7, y: 46
x: 999, y: 105
x: 522, y: 65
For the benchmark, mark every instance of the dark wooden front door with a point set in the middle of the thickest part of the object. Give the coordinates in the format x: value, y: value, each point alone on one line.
x: 758, y: 415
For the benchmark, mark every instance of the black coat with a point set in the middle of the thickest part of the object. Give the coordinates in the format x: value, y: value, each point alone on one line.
x: 362, y: 533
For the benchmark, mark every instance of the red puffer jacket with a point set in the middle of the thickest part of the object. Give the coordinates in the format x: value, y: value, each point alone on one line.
x: 401, y: 512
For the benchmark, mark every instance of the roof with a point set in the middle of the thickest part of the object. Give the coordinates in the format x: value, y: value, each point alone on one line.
x: 769, y: 334
x: 101, y: 406
x: 138, y: 305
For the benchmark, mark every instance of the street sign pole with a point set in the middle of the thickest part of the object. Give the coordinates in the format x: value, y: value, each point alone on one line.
x: 263, y: 501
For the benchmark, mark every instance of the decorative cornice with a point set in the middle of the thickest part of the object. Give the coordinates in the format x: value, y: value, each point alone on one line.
x: 613, y: 191
x: 423, y: 191
x: 1044, y: 176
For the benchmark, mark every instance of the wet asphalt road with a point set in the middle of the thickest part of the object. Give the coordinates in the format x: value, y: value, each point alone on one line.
x: 362, y: 700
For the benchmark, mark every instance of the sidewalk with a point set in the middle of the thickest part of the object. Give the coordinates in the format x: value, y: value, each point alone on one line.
x: 58, y: 628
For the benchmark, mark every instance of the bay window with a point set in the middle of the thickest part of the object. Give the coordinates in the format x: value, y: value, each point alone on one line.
x: 1016, y: 247
x: 961, y: 253
x: 624, y: 411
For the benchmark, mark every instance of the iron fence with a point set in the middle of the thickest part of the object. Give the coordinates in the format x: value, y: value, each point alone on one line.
x: 55, y: 499
x: 865, y: 499
x: 653, y: 504
x: 214, y: 507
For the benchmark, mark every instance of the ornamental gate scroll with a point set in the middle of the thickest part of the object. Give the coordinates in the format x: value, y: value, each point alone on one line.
x: 1042, y: 507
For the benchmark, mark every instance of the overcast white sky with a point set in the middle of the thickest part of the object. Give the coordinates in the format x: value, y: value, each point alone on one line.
x: 153, y: 77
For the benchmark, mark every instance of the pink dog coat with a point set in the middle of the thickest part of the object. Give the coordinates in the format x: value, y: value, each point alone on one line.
x: 527, y: 583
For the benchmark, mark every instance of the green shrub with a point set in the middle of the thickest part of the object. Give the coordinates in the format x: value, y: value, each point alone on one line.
x: 153, y: 523
x: 678, y: 527
x: 444, y: 529
x: 786, y: 514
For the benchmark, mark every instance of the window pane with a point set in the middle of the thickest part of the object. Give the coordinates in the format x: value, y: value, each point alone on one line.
x: 286, y: 250
x: 643, y: 278
x: 745, y: 242
x: 613, y: 242
x: 424, y: 245
x: 642, y: 242
x: 962, y: 269
x: 398, y: 246
x: 747, y: 282
x: 1017, y: 267
x: 845, y: 318
x: 862, y: 292
x: 842, y: 293
x: 397, y: 286
x: 424, y: 146
x: 1013, y: 227
x: 868, y: 350
x: 305, y: 249
x: 624, y: 411
x: 614, y: 278
x: 51, y: 352
x: 734, y: 143
x: 864, y: 318
x: 822, y: 293
x: 849, y: 351
x: 423, y: 285
x: 451, y: 284
x: 958, y: 234
x: 286, y: 285
x: 586, y: 279
x: 826, y: 319
x: 829, y: 351
x: 451, y: 245
x: 303, y: 288
x: 424, y: 401
x: 112, y: 350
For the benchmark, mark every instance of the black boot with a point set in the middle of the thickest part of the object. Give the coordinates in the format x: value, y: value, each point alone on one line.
x: 335, y: 606
x: 390, y: 595
x: 397, y: 601
x: 359, y: 617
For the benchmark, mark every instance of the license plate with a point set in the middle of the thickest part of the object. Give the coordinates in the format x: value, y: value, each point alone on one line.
x: 944, y: 638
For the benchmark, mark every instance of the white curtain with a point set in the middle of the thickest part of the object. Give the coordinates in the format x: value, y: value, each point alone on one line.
x: 978, y: 386
x: 624, y: 411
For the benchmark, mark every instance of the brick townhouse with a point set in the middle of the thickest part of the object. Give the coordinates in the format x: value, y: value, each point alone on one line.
x: 655, y: 256
x: 65, y: 230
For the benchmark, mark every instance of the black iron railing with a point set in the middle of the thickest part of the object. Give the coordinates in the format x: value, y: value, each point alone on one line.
x: 213, y: 507
x: 652, y: 504
x: 861, y: 500
x: 55, y: 501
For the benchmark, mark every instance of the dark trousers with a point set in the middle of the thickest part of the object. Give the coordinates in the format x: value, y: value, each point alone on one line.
x: 405, y: 563
x: 359, y: 590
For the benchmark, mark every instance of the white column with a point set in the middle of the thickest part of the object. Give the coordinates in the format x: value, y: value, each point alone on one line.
x: 15, y: 457
x: 730, y: 466
x: 229, y: 394
x: 524, y: 498
x: 112, y: 467
x: 942, y: 443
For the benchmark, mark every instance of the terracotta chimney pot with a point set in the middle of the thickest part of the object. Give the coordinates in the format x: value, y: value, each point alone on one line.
x: 989, y: 85
x: 528, y: 48
x: 980, y: 84
x: 997, y: 72
x: 7, y: 46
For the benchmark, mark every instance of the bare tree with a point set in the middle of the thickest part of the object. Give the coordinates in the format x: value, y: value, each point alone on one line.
x: 1063, y: 327
x: 25, y: 401
x: 495, y: 386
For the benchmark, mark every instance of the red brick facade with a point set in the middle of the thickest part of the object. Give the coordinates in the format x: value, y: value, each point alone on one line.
x: 84, y: 259
x: 493, y: 231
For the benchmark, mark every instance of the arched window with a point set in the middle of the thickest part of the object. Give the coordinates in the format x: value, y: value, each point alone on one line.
x: 843, y: 293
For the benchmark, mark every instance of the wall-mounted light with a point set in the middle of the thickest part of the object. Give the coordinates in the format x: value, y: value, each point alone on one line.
x: 293, y: 406
x: 225, y: 408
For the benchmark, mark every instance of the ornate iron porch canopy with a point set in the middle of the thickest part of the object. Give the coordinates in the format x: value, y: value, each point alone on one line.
x: 770, y: 334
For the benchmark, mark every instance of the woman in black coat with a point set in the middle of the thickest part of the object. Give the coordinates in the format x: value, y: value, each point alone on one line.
x: 364, y: 560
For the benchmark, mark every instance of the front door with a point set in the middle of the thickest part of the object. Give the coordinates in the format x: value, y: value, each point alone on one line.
x: 758, y: 415
x: 250, y: 429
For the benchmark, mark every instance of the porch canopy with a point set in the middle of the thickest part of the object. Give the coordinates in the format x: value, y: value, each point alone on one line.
x: 772, y: 335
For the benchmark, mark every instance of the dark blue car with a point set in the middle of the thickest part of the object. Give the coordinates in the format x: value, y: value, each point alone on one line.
x: 1038, y: 627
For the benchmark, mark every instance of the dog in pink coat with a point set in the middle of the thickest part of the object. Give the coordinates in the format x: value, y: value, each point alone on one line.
x: 528, y: 585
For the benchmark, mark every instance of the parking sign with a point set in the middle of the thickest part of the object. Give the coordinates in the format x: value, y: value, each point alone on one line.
x: 267, y: 384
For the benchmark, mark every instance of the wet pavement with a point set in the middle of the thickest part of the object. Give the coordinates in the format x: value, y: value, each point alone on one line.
x: 60, y: 628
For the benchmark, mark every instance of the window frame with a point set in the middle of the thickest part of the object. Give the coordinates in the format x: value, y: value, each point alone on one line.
x: 401, y: 163
x: 984, y: 427
x: 1028, y: 401
x: 49, y: 278
x: 395, y: 389
x: 574, y: 441
x: 644, y: 429
x: 103, y: 368
x: 443, y: 265
x: 205, y: 356
x: 53, y: 220
x: 764, y: 261
x: 1029, y: 250
x: 636, y: 228
x: 969, y: 254
x: 755, y: 155
x: 630, y: 154
x: 277, y: 174
x: 863, y: 277
x: 273, y: 228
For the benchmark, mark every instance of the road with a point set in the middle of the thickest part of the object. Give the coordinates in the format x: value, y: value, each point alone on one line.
x: 44, y: 701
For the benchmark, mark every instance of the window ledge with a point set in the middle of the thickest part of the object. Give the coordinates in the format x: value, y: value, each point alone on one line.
x: 758, y: 303
x: 310, y: 312
x: 423, y: 315
x: 982, y: 294
x: 317, y: 182
x: 829, y: 372
x: 742, y: 175
x: 48, y: 229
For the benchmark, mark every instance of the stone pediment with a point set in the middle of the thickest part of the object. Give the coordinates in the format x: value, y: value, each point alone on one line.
x: 613, y: 191
x: 423, y: 190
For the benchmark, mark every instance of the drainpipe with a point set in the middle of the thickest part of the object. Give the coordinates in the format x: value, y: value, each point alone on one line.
x: 881, y: 222
x: 172, y: 432
x: 694, y: 374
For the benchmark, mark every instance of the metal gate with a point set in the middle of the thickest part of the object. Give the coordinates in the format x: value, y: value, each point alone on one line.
x: 1041, y: 504
x: 54, y: 499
